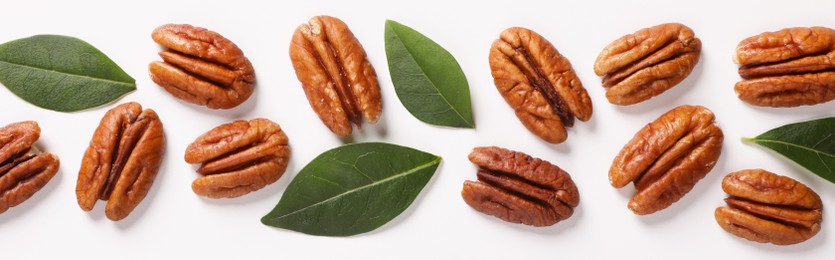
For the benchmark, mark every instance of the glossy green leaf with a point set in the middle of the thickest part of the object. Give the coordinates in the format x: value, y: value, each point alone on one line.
x: 810, y: 144
x: 61, y: 73
x: 353, y: 189
x: 427, y: 79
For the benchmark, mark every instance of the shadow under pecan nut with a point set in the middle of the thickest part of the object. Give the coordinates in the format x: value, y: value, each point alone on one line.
x: 122, y: 161
x: 667, y: 157
x: 24, y: 170
x: 642, y: 65
x: 201, y: 67
x: 538, y: 83
x: 239, y: 158
x: 518, y: 188
x: 787, y: 68
x: 768, y: 208
x: 340, y: 83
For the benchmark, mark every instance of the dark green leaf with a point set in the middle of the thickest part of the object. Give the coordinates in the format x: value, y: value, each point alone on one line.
x: 61, y: 73
x: 353, y: 189
x: 427, y: 79
x: 810, y: 144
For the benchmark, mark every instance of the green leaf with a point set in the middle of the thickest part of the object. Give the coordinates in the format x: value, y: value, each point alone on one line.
x: 61, y: 73
x: 353, y: 189
x: 427, y: 79
x: 810, y: 144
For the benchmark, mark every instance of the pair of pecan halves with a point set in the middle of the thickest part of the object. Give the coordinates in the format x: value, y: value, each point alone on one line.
x: 518, y: 188
x: 201, y: 67
x: 538, y: 83
x: 238, y: 158
x: 787, y: 68
x: 122, y: 161
x: 24, y: 169
x: 667, y: 157
x: 642, y: 65
x: 340, y: 83
x: 768, y: 208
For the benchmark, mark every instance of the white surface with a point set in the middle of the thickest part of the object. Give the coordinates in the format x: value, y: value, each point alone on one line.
x: 172, y: 222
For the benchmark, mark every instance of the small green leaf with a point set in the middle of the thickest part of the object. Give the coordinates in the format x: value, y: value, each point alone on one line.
x: 810, y: 144
x: 427, y: 79
x: 61, y: 73
x: 353, y: 189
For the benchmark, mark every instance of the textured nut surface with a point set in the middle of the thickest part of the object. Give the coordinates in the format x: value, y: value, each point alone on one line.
x: 122, y: 161
x: 538, y: 83
x: 667, y: 157
x: 201, y: 67
x: 239, y: 158
x: 787, y: 68
x: 339, y: 82
x: 23, y: 169
x: 768, y: 208
x: 642, y: 65
x: 518, y: 188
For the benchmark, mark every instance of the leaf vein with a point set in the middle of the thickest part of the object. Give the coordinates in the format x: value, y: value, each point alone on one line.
x: 433, y: 84
x: 69, y: 74
x: 361, y: 188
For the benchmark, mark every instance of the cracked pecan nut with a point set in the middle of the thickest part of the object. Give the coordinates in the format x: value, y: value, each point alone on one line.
x: 642, y: 65
x: 538, y: 83
x: 787, y: 68
x: 201, y: 67
x: 768, y: 208
x: 667, y: 157
x: 122, y: 161
x: 239, y: 158
x: 24, y: 169
x: 518, y: 188
x: 340, y: 83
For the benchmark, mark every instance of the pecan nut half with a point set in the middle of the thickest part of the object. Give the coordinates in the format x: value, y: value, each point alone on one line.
x: 239, y: 158
x: 24, y: 169
x: 768, y: 208
x: 538, y: 83
x: 122, y: 161
x: 642, y: 65
x: 340, y: 83
x: 201, y: 67
x: 667, y: 157
x: 787, y: 68
x: 518, y: 188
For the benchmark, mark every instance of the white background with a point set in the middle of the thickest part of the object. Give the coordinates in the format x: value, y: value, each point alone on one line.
x: 173, y: 222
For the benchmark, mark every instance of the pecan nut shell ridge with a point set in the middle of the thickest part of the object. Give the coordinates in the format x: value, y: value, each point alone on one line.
x: 768, y: 208
x: 339, y: 82
x: 787, y: 68
x: 238, y: 158
x: 201, y: 67
x: 24, y: 169
x: 667, y: 157
x: 639, y: 66
x: 518, y: 188
x: 538, y: 83
x: 122, y: 161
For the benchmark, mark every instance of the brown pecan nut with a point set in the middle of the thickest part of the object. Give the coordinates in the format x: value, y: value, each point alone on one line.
x: 667, y: 157
x: 122, y: 160
x: 768, y: 208
x: 538, y: 83
x: 518, y: 188
x: 339, y: 82
x: 24, y: 169
x: 201, y: 67
x: 642, y: 65
x: 787, y: 68
x: 239, y: 158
